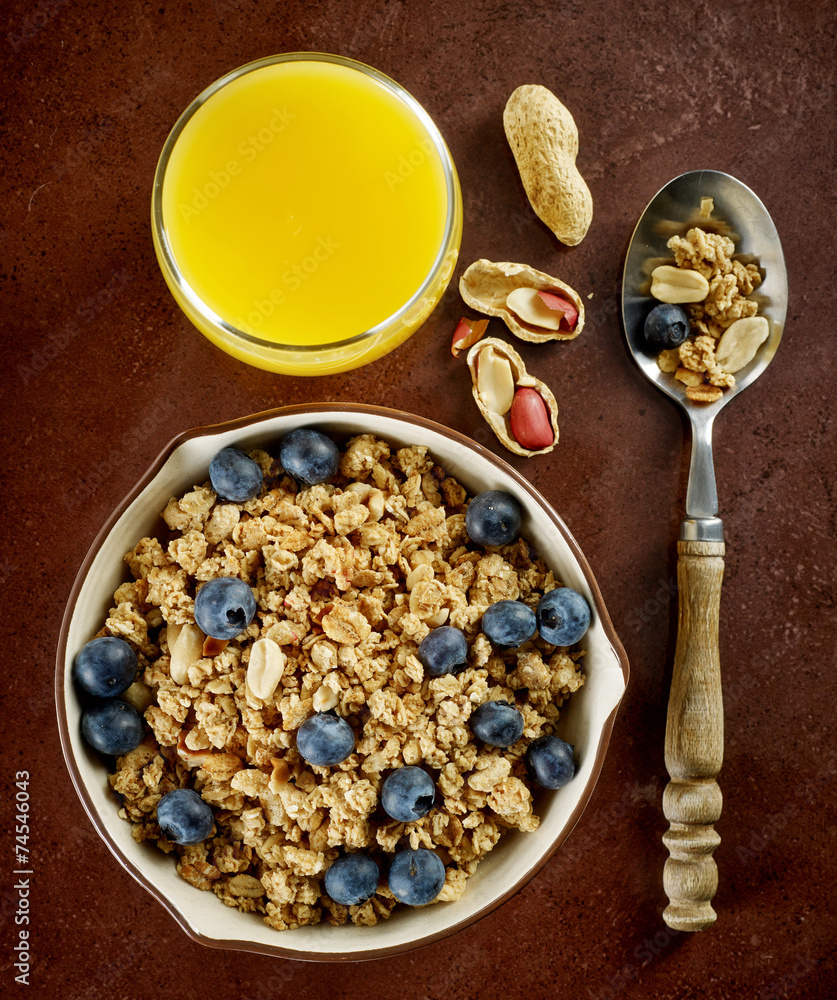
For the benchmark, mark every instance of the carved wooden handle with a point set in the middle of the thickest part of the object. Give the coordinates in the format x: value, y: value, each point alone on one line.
x: 694, y: 740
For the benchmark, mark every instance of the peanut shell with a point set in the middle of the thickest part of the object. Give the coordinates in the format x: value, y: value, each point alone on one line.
x: 486, y: 285
x: 501, y: 423
x: 544, y: 140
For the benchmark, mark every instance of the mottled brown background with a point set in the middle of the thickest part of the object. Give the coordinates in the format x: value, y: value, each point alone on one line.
x: 89, y: 93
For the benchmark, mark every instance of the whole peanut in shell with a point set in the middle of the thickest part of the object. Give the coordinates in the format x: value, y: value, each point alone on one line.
x: 544, y: 140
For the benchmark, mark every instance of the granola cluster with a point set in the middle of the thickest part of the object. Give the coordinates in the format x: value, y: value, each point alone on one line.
x: 348, y: 578
x: 730, y: 282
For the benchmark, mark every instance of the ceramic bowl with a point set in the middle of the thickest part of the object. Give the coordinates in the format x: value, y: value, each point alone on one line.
x: 586, y: 722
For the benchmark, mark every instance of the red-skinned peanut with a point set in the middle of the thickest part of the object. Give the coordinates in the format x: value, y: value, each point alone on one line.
x: 563, y: 305
x: 529, y: 420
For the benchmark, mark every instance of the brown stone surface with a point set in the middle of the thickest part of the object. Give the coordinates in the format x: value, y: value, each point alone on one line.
x: 100, y: 370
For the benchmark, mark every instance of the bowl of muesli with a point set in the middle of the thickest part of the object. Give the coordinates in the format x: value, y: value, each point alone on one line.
x: 344, y: 578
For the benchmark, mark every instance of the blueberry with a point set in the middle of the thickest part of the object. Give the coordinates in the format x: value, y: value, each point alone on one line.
x: 352, y: 879
x: 309, y: 456
x: 666, y: 326
x: 234, y: 476
x: 416, y: 877
x: 224, y: 607
x: 408, y: 794
x: 443, y: 650
x: 184, y: 817
x: 497, y: 723
x: 563, y: 616
x: 493, y: 518
x: 325, y: 739
x: 508, y: 624
x: 550, y: 761
x: 105, y: 667
x: 113, y: 727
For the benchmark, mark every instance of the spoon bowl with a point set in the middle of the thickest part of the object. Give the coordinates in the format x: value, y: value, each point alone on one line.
x: 738, y: 213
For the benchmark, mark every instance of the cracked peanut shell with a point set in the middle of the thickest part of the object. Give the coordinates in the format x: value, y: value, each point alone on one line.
x: 501, y: 423
x: 486, y: 285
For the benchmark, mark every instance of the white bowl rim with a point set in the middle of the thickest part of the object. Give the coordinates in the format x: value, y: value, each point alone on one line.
x: 323, y: 410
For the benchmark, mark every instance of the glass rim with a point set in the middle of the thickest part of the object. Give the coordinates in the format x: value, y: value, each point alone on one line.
x: 208, y: 315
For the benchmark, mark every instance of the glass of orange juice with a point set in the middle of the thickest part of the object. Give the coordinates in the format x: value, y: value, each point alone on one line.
x: 306, y: 213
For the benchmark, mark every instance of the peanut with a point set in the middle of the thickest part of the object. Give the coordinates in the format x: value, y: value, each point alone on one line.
x: 531, y: 308
x: 188, y: 649
x: 370, y: 496
x: 544, y: 140
x: 265, y: 669
x: 678, y: 285
x: 529, y: 420
x: 740, y: 341
x: 495, y: 382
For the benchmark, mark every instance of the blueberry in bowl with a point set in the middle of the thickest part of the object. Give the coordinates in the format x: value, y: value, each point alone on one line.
x: 352, y: 879
x: 408, y: 794
x: 235, y: 476
x: 563, y: 616
x: 325, y: 739
x: 309, y: 455
x: 184, y: 817
x: 493, y: 518
x: 497, y: 723
x: 416, y: 876
x: 224, y: 607
x: 105, y: 667
x: 509, y: 624
x: 112, y: 727
x: 551, y: 761
x: 443, y: 650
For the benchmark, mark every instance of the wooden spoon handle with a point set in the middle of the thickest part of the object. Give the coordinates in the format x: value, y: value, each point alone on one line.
x: 694, y: 740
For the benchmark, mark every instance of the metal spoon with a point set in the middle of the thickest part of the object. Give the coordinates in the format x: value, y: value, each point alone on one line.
x: 695, y: 725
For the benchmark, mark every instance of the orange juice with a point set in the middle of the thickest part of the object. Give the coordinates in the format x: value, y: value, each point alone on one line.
x: 305, y: 203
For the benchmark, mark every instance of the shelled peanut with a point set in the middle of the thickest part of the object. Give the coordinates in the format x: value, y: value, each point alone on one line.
x: 519, y: 408
x: 677, y: 286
